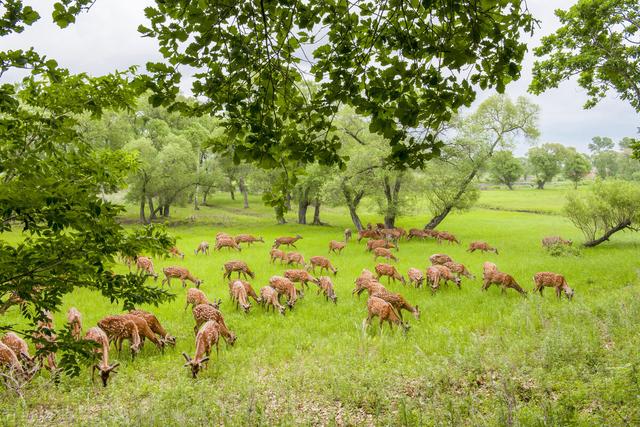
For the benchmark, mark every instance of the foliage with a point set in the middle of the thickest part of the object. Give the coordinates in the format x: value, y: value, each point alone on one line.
x: 505, y: 168
x: 576, y: 166
x: 599, y: 42
x: 609, y: 206
x: 562, y: 250
x: 546, y: 162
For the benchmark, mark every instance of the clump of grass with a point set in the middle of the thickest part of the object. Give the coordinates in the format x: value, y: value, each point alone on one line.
x: 563, y: 250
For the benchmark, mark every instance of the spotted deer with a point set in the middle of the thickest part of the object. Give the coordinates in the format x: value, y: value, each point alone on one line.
x: 398, y: 302
x: 226, y: 242
x: 287, y: 241
x: 459, y: 269
x: 301, y: 276
x: 487, y: 269
x: 277, y: 254
x: 440, y: 259
x: 390, y: 271
x: 9, y: 360
x: 155, y: 326
x: 97, y: 335
x: 503, y: 280
x: 202, y: 248
x: 196, y: 296
x: 74, y: 319
x: 119, y: 328
x: 248, y: 239
x: 482, y: 247
x: 416, y: 277
x: 144, y: 330
x: 145, y: 264
x: 336, y: 247
x: 372, y: 286
x: 207, y: 336
x: 285, y: 287
x: 552, y: 280
x: 326, y: 286
x: 239, y: 295
x: 377, y: 307
x: 549, y: 241
x: 249, y: 289
x: 181, y: 273
x: 239, y: 267
x: 368, y: 234
x: 295, y: 258
x: 323, y: 263
x: 443, y: 235
x: 175, y: 252
x: 45, y: 332
x: 383, y: 253
x: 20, y: 348
x: 205, y: 312
x: 269, y: 297
x: 437, y: 273
x: 379, y: 243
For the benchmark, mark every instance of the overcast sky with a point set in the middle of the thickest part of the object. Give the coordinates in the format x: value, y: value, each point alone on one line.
x: 106, y: 39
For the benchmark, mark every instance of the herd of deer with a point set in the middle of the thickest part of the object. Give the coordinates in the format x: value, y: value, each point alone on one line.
x: 137, y: 326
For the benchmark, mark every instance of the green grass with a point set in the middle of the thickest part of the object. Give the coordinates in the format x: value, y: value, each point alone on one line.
x: 473, y: 358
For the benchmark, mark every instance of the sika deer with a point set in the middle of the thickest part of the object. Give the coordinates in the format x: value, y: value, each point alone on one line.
x: 45, y: 333
x: 459, y: 269
x: 144, y: 263
x: 552, y: 280
x: 144, y: 330
x: 287, y: 241
x: 240, y: 267
x: 326, y: 286
x: 285, y: 286
x: 384, y: 253
x: 10, y: 360
x: 226, y: 242
x: 336, y: 247
x: 389, y: 271
x: 248, y: 239
x: 74, y: 319
x: 415, y: 277
x: 207, y: 336
x: 368, y: 234
x: 370, y: 285
x: 97, y: 335
x: 277, y: 254
x: 440, y: 259
x: 203, y: 248
x: 249, y: 289
x: 398, y: 302
x: 20, y: 348
x: 205, y: 312
x: 269, y: 297
x: 155, y: 326
x: 323, y: 263
x: 239, y: 295
x: 175, y: 252
x: 481, y: 246
x: 503, y: 280
x: 381, y: 243
x: 378, y: 307
x: 487, y: 269
x: 295, y: 258
x: 196, y: 296
x: 301, y: 276
x: 436, y: 273
x: 181, y: 273
x: 443, y: 235
x: 119, y: 328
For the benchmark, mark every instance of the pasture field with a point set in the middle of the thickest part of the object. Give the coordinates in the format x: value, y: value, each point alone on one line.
x: 473, y: 357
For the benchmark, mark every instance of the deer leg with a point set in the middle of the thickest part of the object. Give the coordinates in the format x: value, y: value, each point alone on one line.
x: 558, y: 292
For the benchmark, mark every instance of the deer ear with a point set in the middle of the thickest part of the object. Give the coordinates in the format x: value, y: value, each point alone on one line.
x: 186, y: 356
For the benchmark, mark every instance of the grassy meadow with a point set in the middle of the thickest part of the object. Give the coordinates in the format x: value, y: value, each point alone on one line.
x: 473, y: 358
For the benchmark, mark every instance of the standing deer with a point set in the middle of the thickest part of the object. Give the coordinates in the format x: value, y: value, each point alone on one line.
x: 97, y: 335
x: 287, y: 241
x: 181, y: 273
x: 203, y: 248
x: 323, y: 263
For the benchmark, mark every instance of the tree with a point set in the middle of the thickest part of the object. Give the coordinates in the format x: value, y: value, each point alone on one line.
x: 609, y: 207
x: 599, y: 42
x: 496, y: 123
x: 576, y: 167
x: 505, y: 168
x: 546, y: 162
x: 53, y: 182
x: 599, y: 144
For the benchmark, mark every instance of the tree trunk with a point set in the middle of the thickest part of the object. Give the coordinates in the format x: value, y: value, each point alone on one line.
x: 195, y: 198
x: 540, y: 185
x: 392, y: 201
x: 605, y: 237
x: 205, y: 194
x: 509, y: 186
x: 152, y: 210
x: 302, y: 211
x: 355, y: 218
x: 233, y: 194
x: 165, y: 211
x: 316, y: 212
x: 245, y: 193
x: 352, y: 203
x: 287, y: 203
x: 143, y: 218
x: 280, y: 215
x: 436, y: 220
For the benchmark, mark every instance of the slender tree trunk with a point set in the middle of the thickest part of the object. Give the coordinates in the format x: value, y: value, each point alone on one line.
x: 205, y: 194
x: 302, y: 211
x: 143, y: 218
x: 354, y: 217
x: 165, y: 211
x: 392, y: 200
x: 509, y: 186
x: 436, y: 220
x: 280, y: 215
x: 233, y: 194
x: 352, y: 202
x: 287, y: 203
x: 195, y: 198
x: 609, y: 233
x: 152, y: 210
x: 245, y: 193
x: 540, y: 185
x: 316, y: 212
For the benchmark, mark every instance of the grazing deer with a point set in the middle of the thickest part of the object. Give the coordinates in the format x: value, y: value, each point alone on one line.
x: 270, y: 298
x: 196, y: 297
x: 181, y: 273
x: 372, y: 286
x: 389, y: 271
x: 277, y: 254
x: 223, y: 235
x: 416, y: 232
x: 239, y: 295
x: 440, y: 259
x: 20, y: 348
x: 155, y: 326
x: 175, y: 252
x: 481, y: 246
x: 377, y: 307
x: 323, y: 263
x: 226, y: 242
x: 97, y: 335
x: 443, y: 235
x: 287, y: 241
x: 74, y: 319
x: 347, y: 235
x: 10, y: 360
x: 301, y: 276
x: 249, y: 289
x: 45, y: 333
x: 552, y: 280
x: 119, y: 328
x: 144, y: 263
x: 436, y: 273
x: 240, y: 267
x: 415, y: 277
x: 295, y: 258
x: 384, y: 253
x: 336, y: 247
x: 368, y: 234
x: 207, y: 336
x: 398, y: 302
x: 205, y: 312
x: 503, y: 280
x: 326, y: 286
x: 487, y: 269
x: 203, y: 248
x: 549, y: 241
x: 144, y: 330
x: 248, y: 239
x: 459, y: 269
x: 380, y: 243
x: 285, y: 286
